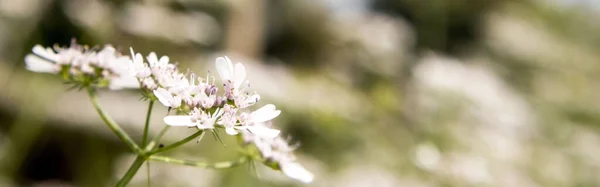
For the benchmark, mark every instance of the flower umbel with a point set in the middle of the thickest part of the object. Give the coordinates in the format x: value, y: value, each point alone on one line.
x: 83, y: 66
x: 199, y: 104
x: 277, y: 153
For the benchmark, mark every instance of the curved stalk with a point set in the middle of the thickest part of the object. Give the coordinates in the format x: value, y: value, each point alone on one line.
x: 147, y: 124
x: 156, y: 138
x: 217, y: 165
x: 148, y: 173
x: 135, y: 166
x: 112, y: 124
x: 180, y: 142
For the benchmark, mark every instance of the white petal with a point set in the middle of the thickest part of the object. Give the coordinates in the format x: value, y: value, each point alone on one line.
x: 152, y: 59
x: 139, y: 58
x: 265, y: 148
x: 164, y: 60
x: 123, y: 82
x: 163, y: 96
x: 183, y: 82
x: 263, y: 132
x: 251, y: 100
x: 240, y: 75
x: 176, y: 102
x: 200, y: 126
x: 208, y: 124
x: 296, y: 171
x: 231, y: 131
x: 224, y: 68
x: 254, y: 97
x: 37, y: 64
x: 265, y: 109
x: 230, y: 65
x: 179, y: 121
x: 132, y: 67
x: 265, y: 113
x: 46, y: 53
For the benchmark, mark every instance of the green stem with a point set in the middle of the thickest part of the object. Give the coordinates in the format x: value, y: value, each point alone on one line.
x: 217, y: 165
x: 147, y: 124
x: 148, y: 173
x: 112, y: 124
x: 135, y: 166
x: 180, y: 142
x: 156, y: 138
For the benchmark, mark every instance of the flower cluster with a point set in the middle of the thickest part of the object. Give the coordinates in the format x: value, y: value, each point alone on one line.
x: 200, y: 104
x: 81, y: 65
x: 277, y: 153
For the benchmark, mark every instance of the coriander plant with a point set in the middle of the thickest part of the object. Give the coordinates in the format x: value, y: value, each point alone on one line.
x: 196, y: 102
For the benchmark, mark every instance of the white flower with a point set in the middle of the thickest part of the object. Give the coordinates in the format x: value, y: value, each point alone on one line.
x: 295, y: 171
x: 170, y: 78
x: 138, y: 67
x: 154, y: 62
x: 121, y: 82
x: 87, y: 68
x: 46, y: 53
x: 262, y: 131
x: 107, y: 58
x: 125, y: 78
x: 105, y: 64
x: 180, y: 121
x: 149, y: 83
x: 44, y: 60
x: 157, y: 72
x: 255, y: 122
x: 244, y: 100
x: 166, y: 98
x: 37, y: 64
x: 231, y: 78
x: 279, y: 151
x: 67, y: 56
x: 206, y: 101
x: 263, y: 114
x: 197, y: 118
x: 228, y: 119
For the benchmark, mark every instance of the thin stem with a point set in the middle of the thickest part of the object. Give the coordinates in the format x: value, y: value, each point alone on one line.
x: 180, y: 142
x: 217, y: 165
x: 135, y: 166
x: 148, y: 173
x: 156, y: 138
x: 147, y: 124
x: 112, y: 124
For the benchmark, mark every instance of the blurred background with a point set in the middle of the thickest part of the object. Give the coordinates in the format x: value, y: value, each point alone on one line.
x: 378, y: 92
